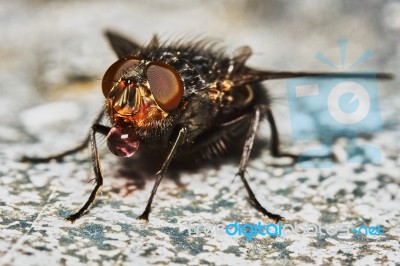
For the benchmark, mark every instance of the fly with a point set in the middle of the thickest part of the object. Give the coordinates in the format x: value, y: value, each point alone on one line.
x: 183, y: 101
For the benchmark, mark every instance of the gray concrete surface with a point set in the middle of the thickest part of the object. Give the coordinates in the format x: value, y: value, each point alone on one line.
x: 52, y: 58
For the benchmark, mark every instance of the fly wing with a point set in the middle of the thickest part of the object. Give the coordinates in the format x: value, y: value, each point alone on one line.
x: 239, y: 58
x: 249, y: 75
x: 154, y: 43
x: 121, y: 45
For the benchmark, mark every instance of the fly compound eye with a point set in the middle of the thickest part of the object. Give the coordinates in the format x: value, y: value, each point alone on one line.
x: 165, y: 85
x: 112, y: 82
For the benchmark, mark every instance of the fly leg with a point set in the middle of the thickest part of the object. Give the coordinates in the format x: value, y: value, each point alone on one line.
x: 275, y: 142
x: 96, y: 128
x: 251, y: 134
x: 60, y: 156
x: 161, y: 173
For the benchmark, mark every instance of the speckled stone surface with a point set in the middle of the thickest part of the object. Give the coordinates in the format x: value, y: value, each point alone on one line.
x: 52, y: 57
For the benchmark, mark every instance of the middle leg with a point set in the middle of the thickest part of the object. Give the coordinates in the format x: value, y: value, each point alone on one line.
x: 251, y: 134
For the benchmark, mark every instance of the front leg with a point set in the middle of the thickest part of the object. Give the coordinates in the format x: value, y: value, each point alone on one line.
x: 60, y: 156
x: 96, y: 128
x: 160, y: 174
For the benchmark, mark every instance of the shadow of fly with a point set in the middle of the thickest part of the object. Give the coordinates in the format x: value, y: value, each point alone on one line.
x: 184, y: 100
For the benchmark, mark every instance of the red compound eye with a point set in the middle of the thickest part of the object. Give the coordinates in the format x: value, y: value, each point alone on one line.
x: 165, y: 85
x: 111, y: 83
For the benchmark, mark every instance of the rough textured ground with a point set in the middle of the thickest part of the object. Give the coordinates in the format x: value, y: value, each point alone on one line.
x: 52, y: 57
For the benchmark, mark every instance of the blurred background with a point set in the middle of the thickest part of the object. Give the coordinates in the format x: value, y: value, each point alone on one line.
x: 52, y: 58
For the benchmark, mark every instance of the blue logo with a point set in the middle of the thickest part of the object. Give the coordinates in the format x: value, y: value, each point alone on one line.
x: 325, y: 108
x: 368, y: 231
x: 252, y: 230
